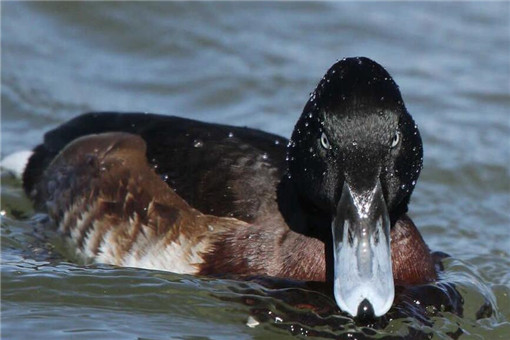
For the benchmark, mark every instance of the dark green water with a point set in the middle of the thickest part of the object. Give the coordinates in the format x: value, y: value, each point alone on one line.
x: 254, y: 64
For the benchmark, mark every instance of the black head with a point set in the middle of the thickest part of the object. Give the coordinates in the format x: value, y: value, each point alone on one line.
x: 355, y: 155
x: 355, y: 125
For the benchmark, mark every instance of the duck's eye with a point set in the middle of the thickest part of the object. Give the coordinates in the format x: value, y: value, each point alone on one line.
x: 325, y: 142
x: 396, y: 139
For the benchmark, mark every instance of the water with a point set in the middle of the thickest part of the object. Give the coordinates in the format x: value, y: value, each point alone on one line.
x: 254, y: 64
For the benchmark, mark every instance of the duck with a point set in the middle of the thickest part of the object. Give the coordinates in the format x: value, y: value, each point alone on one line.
x: 169, y: 193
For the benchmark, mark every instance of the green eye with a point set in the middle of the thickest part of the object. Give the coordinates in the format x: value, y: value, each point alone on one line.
x: 325, y: 142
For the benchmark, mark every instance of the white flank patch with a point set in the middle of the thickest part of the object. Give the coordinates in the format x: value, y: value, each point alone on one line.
x: 78, y: 230
x: 148, y: 251
x: 178, y: 257
x: 108, y: 250
x: 16, y: 162
x: 70, y: 213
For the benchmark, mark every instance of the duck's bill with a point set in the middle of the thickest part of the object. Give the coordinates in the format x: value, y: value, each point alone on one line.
x: 363, y: 283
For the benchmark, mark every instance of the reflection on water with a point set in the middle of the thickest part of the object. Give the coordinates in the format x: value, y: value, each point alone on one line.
x: 253, y: 64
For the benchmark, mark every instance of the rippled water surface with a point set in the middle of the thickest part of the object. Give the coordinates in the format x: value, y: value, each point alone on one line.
x: 254, y: 64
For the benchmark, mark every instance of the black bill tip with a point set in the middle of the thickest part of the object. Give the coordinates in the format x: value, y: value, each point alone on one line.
x: 365, y: 310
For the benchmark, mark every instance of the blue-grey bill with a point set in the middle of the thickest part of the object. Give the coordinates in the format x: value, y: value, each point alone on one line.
x: 362, y: 255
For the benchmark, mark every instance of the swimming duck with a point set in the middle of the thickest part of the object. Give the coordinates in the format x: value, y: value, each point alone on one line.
x: 169, y: 193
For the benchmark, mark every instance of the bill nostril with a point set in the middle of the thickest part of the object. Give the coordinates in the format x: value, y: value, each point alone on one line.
x: 365, y: 310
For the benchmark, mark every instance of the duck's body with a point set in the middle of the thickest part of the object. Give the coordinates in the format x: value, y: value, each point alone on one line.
x: 174, y: 194
x: 108, y: 199
x: 110, y: 203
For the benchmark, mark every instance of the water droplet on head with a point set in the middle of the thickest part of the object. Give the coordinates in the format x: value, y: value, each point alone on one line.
x: 403, y: 186
x: 230, y: 134
x: 197, y: 143
x: 382, y: 98
x: 354, y: 143
x: 264, y: 156
x: 276, y: 142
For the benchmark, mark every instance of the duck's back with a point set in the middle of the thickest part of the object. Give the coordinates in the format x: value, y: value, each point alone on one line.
x: 219, y: 170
